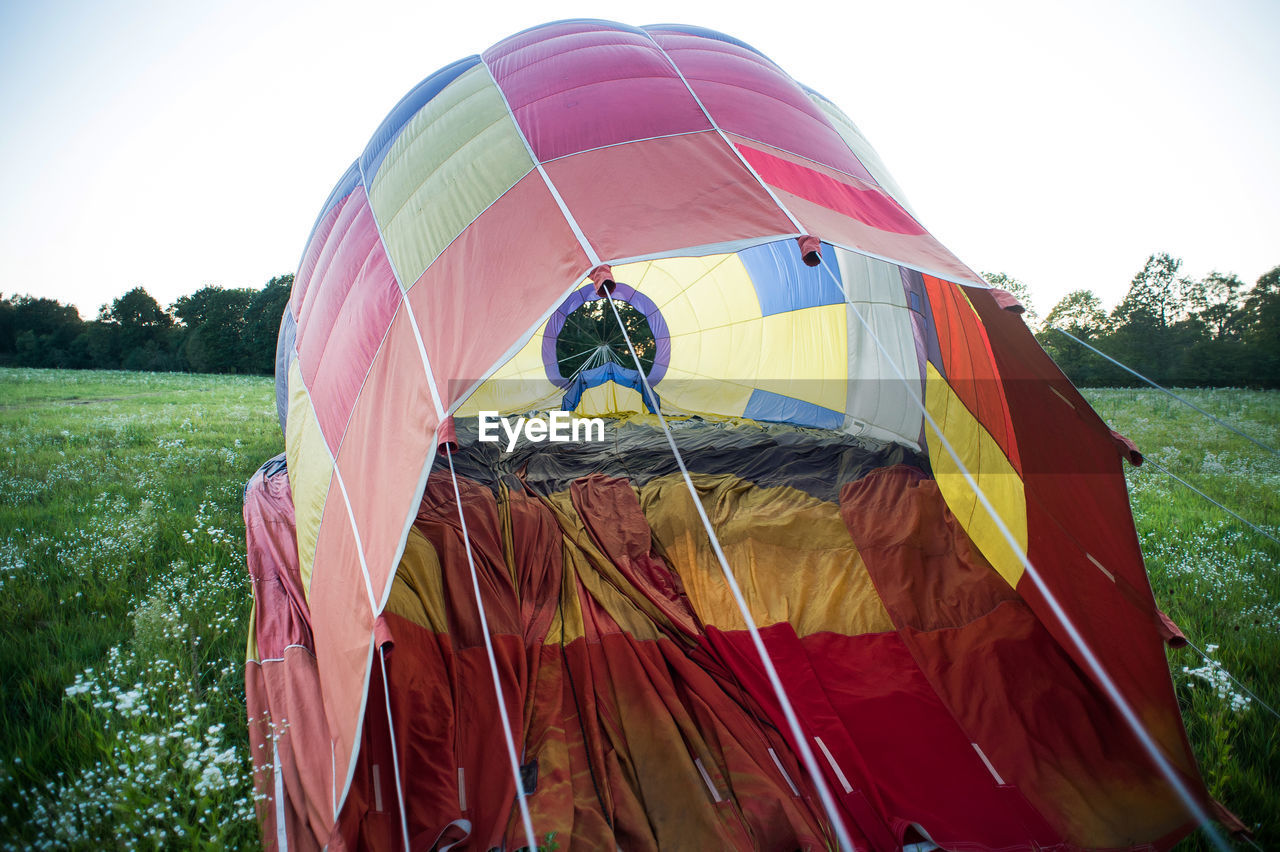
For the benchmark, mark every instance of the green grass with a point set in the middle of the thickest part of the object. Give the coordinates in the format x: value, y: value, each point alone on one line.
x: 123, y: 605
x: 124, y: 599
x: 1216, y: 578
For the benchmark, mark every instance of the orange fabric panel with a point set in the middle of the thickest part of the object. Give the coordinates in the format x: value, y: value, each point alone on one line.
x: 381, y: 462
x: 342, y: 622
x: 969, y: 364
x: 659, y: 195
x: 490, y: 286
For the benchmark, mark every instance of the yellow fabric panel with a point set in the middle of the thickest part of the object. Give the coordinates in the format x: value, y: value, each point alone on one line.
x: 665, y: 279
x: 634, y: 613
x: 985, y: 460
x: 791, y: 553
x: 801, y: 354
x: 700, y: 293
x: 608, y: 399
x: 453, y: 159
x: 804, y: 355
x: 418, y: 591
x: 310, y: 471
x: 726, y: 352
x: 251, y: 647
x: 691, y: 392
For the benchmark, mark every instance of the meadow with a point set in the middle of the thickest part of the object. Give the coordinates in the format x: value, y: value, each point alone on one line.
x: 124, y: 600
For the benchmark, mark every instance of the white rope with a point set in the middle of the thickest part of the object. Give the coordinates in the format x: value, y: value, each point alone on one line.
x: 1259, y: 530
x: 1094, y: 664
x: 793, y: 722
x: 493, y: 668
x: 1180, y: 399
x: 395, y: 758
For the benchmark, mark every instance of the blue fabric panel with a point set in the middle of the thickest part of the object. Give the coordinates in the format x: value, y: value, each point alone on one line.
x: 420, y: 96
x: 766, y: 405
x: 609, y: 372
x: 782, y: 281
x: 284, y: 358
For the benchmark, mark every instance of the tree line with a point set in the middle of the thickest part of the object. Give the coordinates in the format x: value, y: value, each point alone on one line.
x: 213, y: 330
x: 1215, y: 331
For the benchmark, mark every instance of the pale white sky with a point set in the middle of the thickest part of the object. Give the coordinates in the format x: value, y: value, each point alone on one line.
x: 174, y: 145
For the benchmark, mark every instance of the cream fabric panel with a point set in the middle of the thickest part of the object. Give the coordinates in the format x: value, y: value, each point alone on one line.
x: 878, y: 403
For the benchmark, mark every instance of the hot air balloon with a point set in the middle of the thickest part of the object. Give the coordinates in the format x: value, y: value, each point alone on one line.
x: 848, y: 563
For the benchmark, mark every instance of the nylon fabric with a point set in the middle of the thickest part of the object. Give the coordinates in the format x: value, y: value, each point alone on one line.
x: 431, y: 185
x: 982, y: 457
x: 310, y: 471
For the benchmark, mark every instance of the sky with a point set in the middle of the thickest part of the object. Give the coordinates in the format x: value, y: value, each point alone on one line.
x: 176, y: 145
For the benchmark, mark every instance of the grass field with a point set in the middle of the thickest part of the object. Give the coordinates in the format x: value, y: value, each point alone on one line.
x: 124, y: 600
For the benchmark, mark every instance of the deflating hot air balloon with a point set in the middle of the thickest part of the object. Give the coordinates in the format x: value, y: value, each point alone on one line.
x: 846, y: 560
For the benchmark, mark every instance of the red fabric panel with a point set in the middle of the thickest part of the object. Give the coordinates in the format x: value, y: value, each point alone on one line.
x: 969, y: 365
x: 665, y: 194
x: 920, y: 251
x: 861, y: 808
x: 749, y: 95
x: 390, y: 438
x: 1053, y: 735
x: 1078, y: 504
x: 862, y: 201
x: 492, y: 283
x: 583, y: 84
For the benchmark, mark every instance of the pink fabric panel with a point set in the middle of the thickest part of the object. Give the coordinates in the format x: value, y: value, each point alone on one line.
x: 316, y: 247
x: 581, y: 85
x: 332, y: 261
x: 357, y: 334
x: 665, y: 194
x: 281, y: 616
x: 493, y: 283
x: 392, y: 433
x: 747, y: 94
x: 282, y: 698
x: 348, y: 264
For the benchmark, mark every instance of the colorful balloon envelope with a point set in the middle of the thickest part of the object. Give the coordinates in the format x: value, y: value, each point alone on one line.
x: 622, y: 222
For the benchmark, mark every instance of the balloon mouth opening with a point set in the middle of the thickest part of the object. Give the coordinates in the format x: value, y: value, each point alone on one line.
x: 812, y: 258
